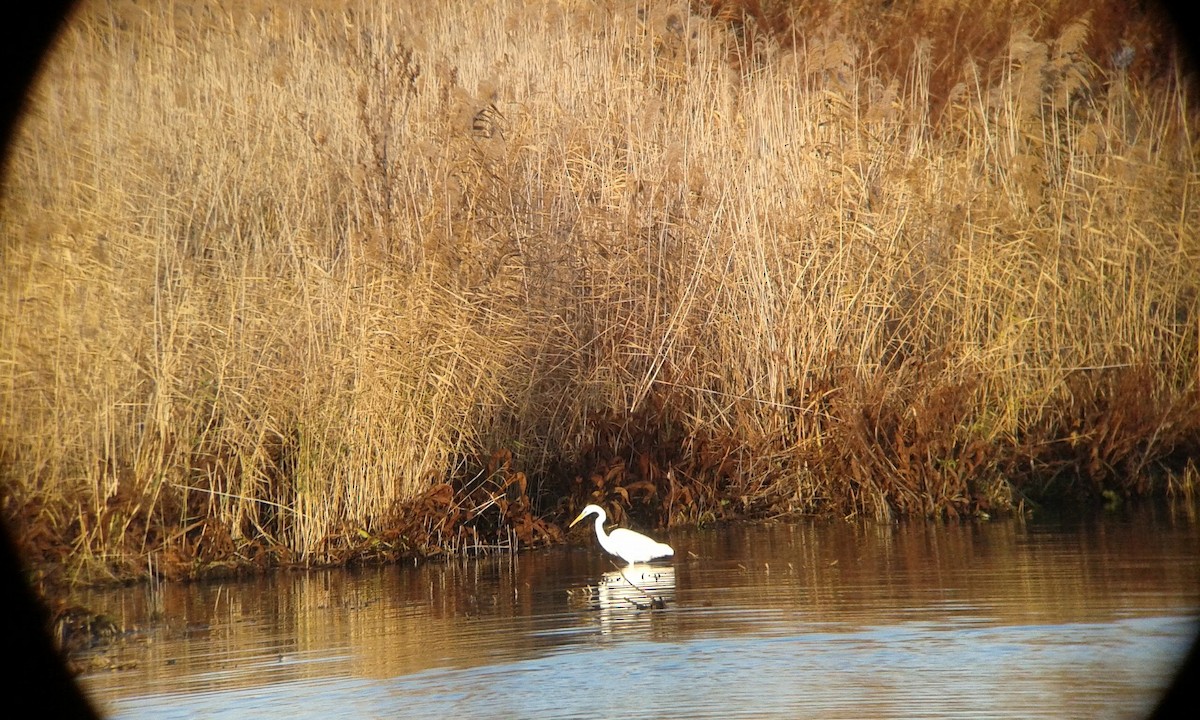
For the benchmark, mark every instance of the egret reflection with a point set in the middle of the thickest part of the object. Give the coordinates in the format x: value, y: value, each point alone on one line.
x: 628, y: 596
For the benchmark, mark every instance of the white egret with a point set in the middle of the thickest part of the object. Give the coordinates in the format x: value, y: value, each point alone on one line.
x: 626, y: 544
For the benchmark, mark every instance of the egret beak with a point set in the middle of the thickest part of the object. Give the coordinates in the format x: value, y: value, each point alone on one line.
x: 581, y: 516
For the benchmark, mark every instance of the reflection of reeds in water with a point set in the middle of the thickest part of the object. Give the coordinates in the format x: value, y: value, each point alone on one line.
x: 374, y: 623
x: 832, y: 597
x: 371, y: 623
x: 1009, y: 572
x: 271, y: 276
x: 815, y: 580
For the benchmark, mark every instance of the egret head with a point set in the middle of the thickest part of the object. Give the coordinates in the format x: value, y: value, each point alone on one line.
x: 590, y: 510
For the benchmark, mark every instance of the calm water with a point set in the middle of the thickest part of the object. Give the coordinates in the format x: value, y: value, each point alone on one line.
x: 1008, y: 618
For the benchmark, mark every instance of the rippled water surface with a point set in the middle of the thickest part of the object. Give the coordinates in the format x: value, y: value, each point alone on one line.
x: 1022, y: 619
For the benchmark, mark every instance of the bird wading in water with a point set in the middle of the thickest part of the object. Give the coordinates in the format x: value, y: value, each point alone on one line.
x: 628, y: 545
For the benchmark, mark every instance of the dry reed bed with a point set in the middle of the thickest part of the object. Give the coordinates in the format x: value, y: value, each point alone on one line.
x: 341, y: 280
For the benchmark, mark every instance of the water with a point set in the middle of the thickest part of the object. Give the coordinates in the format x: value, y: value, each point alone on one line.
x: 1054, y: 619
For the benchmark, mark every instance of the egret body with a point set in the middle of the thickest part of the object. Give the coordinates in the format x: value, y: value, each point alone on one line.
x: 628, y: 545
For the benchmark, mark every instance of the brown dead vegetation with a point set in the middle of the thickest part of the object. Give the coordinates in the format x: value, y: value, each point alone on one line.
x: 356, y: 281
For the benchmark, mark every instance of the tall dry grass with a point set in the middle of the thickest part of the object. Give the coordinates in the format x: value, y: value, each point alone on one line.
x: 275, y: 278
